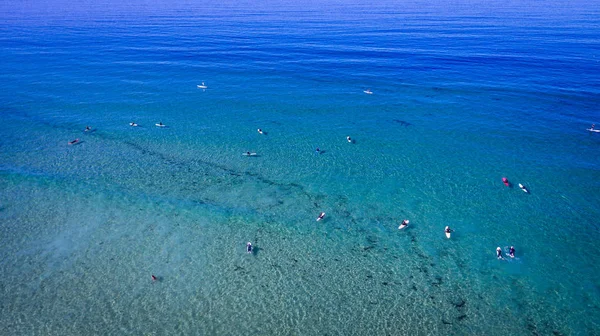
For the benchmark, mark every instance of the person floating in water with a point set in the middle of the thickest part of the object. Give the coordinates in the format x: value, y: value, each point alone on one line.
x: 73, y: 142
x: 321, y: 216
x: 317, y: 151
x: 249, y: 247
x: 88, y: 128
x: 499, y: 253
x: 511, y: 252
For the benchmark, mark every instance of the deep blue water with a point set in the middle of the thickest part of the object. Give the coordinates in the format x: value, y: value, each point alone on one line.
x: 463, y: 94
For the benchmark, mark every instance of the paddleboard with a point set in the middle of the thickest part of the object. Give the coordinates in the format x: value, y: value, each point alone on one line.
x: 594, y: 130
x: 368, y: 92
x: 523, y: 188
x: 448, y: 235
x: 160, y: 125
x: 249, y: 154
x: 202, y: 86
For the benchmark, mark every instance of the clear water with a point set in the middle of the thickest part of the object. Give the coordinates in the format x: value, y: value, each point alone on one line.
x: 463, y: 94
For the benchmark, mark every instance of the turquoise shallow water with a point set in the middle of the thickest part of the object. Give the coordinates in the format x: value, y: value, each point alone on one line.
x: 462, y: 96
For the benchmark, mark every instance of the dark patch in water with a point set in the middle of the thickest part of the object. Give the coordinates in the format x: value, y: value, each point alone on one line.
x: 460, y: 304
x: 462, y: 317
x: 366, y: 248
x: 414, y: 288
x: 402, y: 122
x: 385, y: 283
x: 446, y: 322
x: 438, y: 281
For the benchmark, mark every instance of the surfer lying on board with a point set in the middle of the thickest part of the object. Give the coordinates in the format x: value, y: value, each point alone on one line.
x: 73, y: 142
x: 448, y: 230
x: 321, y: 216
x: 499, y: 253
x: 511, y: 252
x: 249, y: 247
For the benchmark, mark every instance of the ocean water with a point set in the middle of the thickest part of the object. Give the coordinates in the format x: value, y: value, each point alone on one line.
x: 464, y: 94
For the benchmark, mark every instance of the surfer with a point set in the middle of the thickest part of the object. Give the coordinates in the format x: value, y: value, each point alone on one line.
x: 318, y: 151
x: 499, y: 253
x: 73, y: 142
x: 133, y: 124
x: 448, y: 230
x: 154, y: 278
x: 593, y: 125
x: 403, y: 224
x: 87, y: 128
x: 511, y: 252
x: 321, y: 216
x: 260, y: 131
x: 249, y: 247
x: 349, y: 139
x: 505, y: 181
x: 160, y: 124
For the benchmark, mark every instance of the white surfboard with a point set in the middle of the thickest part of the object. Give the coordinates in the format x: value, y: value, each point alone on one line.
x: 249, y: 154
x: 202, y: 86
x: 321, y: 216
x: 132, y: 124
x: 448, y: 235
x: 403, y: 225
x: 160, y: 125
x: 593, y: 130
x: 523, y: 188
x: 368, y: 92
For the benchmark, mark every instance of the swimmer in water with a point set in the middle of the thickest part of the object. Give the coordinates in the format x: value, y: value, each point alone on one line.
x: 511, y: 252
x: 87, y: 128
x: 249, y: 247
x: 499, y: 253
x: 318, y: 151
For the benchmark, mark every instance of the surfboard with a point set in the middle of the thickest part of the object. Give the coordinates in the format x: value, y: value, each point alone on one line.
x: 523, y: 188
x: 132, y: 124
x: 249, y: 154
x: 593, y: 130
x: 368, y: 92
x: 321, y: 216
x: 160, y: 125
x: 448, y: 235
x: 403, y: 225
